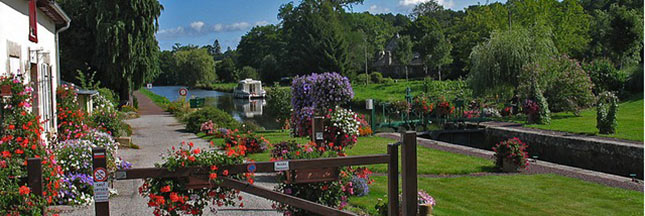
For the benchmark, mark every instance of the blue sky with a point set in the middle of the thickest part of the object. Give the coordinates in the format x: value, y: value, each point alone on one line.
x: 200, y: 22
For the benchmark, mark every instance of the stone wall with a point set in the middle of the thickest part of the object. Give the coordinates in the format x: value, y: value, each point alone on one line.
x: 604, y: 155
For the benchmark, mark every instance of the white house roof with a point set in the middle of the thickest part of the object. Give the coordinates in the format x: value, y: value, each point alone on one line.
x: 249, y: 81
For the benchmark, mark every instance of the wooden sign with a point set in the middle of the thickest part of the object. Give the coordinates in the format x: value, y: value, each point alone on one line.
x: 312, y: 175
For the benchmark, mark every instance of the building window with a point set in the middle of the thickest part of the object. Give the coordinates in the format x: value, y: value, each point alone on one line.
x: 14, y: 66
x: 44, y: 91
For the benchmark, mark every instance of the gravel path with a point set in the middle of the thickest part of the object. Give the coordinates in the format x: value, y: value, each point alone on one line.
x: 156, y: 131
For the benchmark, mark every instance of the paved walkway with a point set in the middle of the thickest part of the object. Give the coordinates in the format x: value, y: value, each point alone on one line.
x: 155, y: 131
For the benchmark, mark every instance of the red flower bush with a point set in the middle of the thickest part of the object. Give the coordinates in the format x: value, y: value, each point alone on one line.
x: 444, y: 108
x: 252, y: 143
x: 71, y: 118
x: 20, y: 139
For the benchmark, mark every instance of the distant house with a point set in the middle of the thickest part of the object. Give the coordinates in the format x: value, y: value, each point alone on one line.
x: 29, y: 50
x: 387, y: 64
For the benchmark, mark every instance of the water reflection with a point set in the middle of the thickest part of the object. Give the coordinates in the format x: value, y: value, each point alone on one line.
x: 241, y: 109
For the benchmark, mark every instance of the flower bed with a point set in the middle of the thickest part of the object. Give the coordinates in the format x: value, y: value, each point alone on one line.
x: 172, y: 196
x: 71, y: 118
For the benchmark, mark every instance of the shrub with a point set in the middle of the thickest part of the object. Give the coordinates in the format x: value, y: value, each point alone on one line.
x: 512, y: 149
x: 376, y: 77
x: 71, y: 118
x: 109, y: 95
x: 388, y: 80
x: 252, y: 143
x: 563, y: 82
x: 635, y: 82
x: 605, y: 76
x: 606, y: 110
x: 105, y: 117
x: 21, y: 138
x: 279, y: 103
x: 421, y: 104
x: 219, y: 117
x: 444, y: 108
x: 248, y: 72
x: 361, y: 79
x: 179, y: 106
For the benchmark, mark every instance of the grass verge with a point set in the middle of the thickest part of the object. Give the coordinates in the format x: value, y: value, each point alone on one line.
x: 158, y: 100
x: 547, y: 194
x: 630, y: 121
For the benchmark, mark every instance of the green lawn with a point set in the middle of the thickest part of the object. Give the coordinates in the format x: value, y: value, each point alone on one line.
x: 396, y: 91
x: 430, y: 161
x: 222, y: 87
x: 516, y: 195
x: 630, y: 121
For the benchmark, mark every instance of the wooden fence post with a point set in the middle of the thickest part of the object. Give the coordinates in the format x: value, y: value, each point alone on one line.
x: 35, y: 178
x: 393, y: 179
x: 317, y: 128
x: 409, y: 172
x: 100, y: 175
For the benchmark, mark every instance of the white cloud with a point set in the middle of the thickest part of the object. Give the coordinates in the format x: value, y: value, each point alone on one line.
x: 375, y: 9
x: 199, y: 28
x: 444, y: 3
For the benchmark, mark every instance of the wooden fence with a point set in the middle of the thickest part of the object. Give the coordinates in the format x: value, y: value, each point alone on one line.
x: 200, y: 174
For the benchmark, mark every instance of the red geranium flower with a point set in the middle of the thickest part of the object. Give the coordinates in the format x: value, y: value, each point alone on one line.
x: 24, y: 190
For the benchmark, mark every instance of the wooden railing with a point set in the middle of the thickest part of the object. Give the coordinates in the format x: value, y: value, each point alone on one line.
x: 200, y: 174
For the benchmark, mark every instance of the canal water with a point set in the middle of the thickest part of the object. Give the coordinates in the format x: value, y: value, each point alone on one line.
x: 243, y: 110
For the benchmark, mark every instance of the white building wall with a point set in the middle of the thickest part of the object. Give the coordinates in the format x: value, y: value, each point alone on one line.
x: 14, y: 27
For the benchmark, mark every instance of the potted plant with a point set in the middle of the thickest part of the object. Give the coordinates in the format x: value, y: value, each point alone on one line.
x: 426, y: 203
x: 511, y: 155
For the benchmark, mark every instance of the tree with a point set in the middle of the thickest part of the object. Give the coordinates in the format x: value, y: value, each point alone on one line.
x: 248, y: 73
x: 259, y: 42
x: 497, y: 62
x: 316, y: 37
x: 168, y: 73
x: 226, y: 70
x: 435, y: 50
x: 626, y: 35
x: 403, y: 52
x: 195, y: 66
x: 270, y: 70
x: 126, y: 52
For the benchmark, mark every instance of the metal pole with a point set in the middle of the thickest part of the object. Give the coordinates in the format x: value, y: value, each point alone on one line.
x: 409, y: 172
x: 317, y: 128
x: 393, y: 179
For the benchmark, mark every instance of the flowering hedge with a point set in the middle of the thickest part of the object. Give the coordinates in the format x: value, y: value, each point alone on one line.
x: 253, y: 143
x: 71, y: 118
x: 512, y: 149
x: 21, y: 138
x: 351, y: 182
x: 105, y: 117
x: 171, y: 196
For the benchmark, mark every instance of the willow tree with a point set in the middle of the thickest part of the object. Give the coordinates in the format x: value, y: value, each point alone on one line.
x: 126, y: 50
x: 498, y: 61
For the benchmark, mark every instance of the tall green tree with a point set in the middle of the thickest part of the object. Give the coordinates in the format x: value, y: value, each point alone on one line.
x: 195, y: 66
x: 126, y: 52
x: 315, y: 36
x: 259, y: 42
x: 435, y: 50
x: 403, y: 52
x: 497, y: 62
x: 227, y: 71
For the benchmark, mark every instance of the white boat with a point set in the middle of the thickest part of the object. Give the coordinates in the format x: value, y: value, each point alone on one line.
x: 249, y: 88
